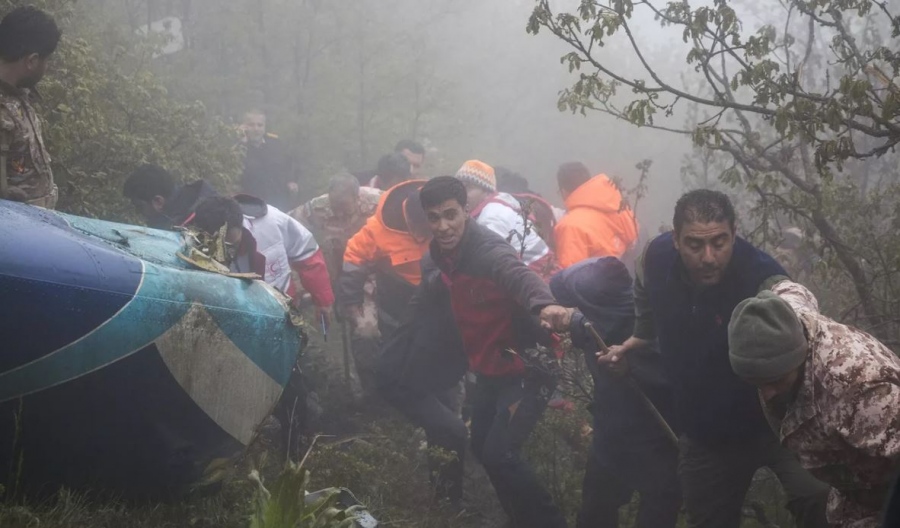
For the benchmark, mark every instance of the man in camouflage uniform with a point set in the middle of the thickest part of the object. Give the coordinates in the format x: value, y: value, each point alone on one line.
x: 831, y: 392
x: 334, y: 218
x: 28, y: 36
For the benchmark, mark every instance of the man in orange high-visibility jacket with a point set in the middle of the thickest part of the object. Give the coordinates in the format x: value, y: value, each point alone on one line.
x: 595, y: 224
x: 390, y: 246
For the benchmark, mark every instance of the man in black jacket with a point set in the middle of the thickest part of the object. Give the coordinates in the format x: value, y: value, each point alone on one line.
x: 503, y: 310
x: 631, y: 451
x: 268, y: 167
x: 163, y: 203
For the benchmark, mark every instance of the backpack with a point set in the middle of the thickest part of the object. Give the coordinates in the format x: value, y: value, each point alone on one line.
x: 538, y: 213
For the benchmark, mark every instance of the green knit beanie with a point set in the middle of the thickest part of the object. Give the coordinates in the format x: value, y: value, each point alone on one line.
x: 765, y: 339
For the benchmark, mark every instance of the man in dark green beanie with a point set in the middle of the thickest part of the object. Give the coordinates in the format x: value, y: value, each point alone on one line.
x: 831, y: 392
x: 767, y: 346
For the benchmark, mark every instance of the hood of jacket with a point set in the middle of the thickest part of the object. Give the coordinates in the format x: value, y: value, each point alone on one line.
x: 598, y: 193
x: 389, y: 212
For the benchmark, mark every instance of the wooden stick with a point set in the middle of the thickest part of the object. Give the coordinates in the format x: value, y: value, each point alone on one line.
x: 347, y: 343
x: 637, y: 389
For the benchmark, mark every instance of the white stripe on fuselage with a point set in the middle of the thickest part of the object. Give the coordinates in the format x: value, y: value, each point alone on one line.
x: 225, y: 383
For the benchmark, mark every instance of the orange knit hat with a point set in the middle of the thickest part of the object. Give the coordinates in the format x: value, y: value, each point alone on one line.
x: 479, y: 173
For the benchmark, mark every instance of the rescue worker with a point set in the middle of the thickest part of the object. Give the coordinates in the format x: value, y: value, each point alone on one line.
x: 28, y: 36
x: 543, y: 214
x: 389, y: 246
x: 687, y: 284
x: 511, y: 182
x: 830, y: 391
x: 630, y: 451
x: 502, y: 309
x: 163, y: 203
x: 413, y: 152
x: 597, y: 223
x: 334, y: 218
x: 392, y: 170
x: 268, y: 167
x: 260, y: 238
x: 419, y: 371
x: 337, y: 215
x: 502, y: 214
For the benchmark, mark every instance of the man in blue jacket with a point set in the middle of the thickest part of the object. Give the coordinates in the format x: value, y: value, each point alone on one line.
x: 687, y: 284
x: 631, y: 452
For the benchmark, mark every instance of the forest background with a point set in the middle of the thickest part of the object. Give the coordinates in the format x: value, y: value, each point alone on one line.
x: 789, y: 106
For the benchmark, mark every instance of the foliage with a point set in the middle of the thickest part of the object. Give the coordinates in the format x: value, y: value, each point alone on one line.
x: 68, y: 509
x: 386, y: 466
x: 802, y: 107
x: 340, y: 83
x: 106, y: 112
x: 558, y: 449
x: 285, y: 506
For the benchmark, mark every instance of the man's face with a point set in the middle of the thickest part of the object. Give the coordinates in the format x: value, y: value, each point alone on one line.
x: 475, y: 195
x: 232, y: 241
x: 447, y: 222
x: 34, y: 69
x: 255, y: 127
x: 416, y: 161
x: 705, y: 250
x: 778, y: 394
x: 149, y: 209
x: 344, y: 205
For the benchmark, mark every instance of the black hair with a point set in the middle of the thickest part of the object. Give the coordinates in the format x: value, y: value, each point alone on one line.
x: 439, y: 190
x: 26, y: 30
x: 148, y: 181
x: 215, y: 211
x: 572, y: 175
x: 394, y: 166
x: 703, y: 205
x: 410, y: 145
x: 511, y: 182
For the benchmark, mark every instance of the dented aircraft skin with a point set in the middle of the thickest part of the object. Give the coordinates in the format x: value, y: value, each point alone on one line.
x: 128, y: 370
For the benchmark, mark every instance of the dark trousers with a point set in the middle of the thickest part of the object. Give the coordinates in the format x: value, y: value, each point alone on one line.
x: 438, y: 415
x: 613, y: 475
x: 715, y: 481
x: 367, y: 352
x: 504, y: 412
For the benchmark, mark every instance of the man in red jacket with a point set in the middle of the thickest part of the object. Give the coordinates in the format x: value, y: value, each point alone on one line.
x: 503, y: 310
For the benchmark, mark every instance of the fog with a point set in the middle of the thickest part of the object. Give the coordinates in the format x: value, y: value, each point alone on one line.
x: 343, y: 81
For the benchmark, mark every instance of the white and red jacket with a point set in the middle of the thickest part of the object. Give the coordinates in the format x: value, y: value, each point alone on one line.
x: 286, y: 246
x: 502, y: 214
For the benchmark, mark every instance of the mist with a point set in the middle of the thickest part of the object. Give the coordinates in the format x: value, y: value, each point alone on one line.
x: 343, y: 83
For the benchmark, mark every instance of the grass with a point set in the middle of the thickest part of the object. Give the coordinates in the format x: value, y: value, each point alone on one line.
x: 371, y: 451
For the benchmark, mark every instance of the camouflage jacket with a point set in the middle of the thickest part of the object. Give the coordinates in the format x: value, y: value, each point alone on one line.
x: 333, y: 231
x: 844, y: 422
x: 28, y: 163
